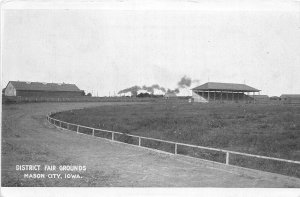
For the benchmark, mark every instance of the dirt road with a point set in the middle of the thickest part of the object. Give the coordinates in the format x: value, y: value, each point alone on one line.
x: 27, y: 139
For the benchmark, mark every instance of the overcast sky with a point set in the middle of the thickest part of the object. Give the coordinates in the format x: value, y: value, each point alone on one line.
x: 109, y: 47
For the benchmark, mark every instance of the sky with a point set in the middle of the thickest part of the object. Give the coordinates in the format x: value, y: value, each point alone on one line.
x: 106, y: 47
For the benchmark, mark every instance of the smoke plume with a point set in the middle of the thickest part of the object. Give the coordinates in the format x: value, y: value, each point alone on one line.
x: 184, y: 82
x: 132, y: 89
x: 135, y: 89
x: 176, y: 91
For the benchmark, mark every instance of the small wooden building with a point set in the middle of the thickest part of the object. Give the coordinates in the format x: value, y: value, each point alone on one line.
x: 290, y: 98
x: 38, y: 89
x: 261, y: 98
x: 170, y: 95
x: 275, y: 98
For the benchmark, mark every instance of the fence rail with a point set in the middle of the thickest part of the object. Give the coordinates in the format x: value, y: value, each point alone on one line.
x: 140, y: 139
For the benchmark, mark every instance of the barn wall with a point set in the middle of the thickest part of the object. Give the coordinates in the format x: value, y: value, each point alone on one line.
x: 48, y: 94
x: 10, y: 90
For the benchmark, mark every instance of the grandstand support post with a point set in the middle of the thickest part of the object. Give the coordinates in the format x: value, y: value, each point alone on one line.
x: 244, y: 96
x: 77, y: 128
x: 227, y: 95
x: 60, y: 124
x: 93, y: 132
x: 214, y: 95
x: 232, y: 96
x: 208, y: 96
x: 112, y: 136
x: 253, y: 97
x: 139, y: 141
x: 221, y: 96
x: 68, y: 125
x: 175, y: 149
x: 247, y: 97
x: 227, y: 158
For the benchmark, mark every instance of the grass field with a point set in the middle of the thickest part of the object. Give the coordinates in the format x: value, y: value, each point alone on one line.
x: 27, y: 138
x: 269, y: 130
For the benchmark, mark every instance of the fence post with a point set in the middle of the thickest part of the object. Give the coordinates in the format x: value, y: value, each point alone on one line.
x: 227, y: 158
x: 93, y: 132
x: 77, y: 128
x: 112, y: 136
x: 175, y: 149
x: 139, y: 141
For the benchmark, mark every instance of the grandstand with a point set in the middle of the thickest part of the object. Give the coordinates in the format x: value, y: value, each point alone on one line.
x: 223, y: 92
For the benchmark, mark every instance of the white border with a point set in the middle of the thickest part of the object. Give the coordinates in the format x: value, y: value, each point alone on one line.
x: 232, y: 5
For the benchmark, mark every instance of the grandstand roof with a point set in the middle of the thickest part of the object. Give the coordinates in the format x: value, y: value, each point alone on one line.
x: 38, y: 86
x: 216, y: 86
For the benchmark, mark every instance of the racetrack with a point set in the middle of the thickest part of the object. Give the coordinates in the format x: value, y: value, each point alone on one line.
x: 27, y: 138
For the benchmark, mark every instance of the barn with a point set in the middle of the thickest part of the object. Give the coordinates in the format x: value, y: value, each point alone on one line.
x: 38, y: 89
x: 216, y: 91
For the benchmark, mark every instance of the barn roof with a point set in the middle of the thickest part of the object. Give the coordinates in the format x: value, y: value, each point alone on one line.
x: 216, y: 86
x: 38, y: 86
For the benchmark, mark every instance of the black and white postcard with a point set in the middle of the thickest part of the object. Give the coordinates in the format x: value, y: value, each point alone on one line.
x: 151, y: 97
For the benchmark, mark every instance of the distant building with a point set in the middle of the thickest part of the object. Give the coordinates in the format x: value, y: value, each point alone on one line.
x: 275, y: 98
x: 261, y: 98
x: 215, y: 91
x: 169, y: 95
x: 38, y: 89
x: 290, y: 98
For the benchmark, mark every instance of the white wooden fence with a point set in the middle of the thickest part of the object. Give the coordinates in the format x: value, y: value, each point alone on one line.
x: 227, y: 153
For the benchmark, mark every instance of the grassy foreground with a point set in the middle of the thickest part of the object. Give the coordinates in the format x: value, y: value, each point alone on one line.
x: 269, y: 130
